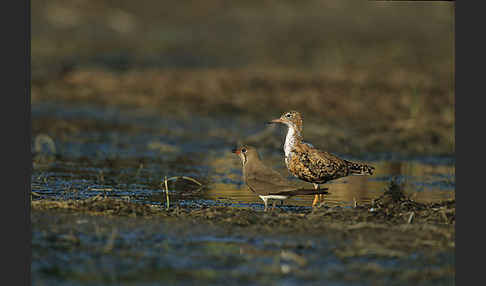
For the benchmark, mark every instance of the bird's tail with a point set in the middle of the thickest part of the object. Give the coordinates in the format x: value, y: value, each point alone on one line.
x: 360, y: 169
x: 302, y: 192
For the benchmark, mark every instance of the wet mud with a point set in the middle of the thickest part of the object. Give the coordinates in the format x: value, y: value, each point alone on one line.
x: 394, y: 241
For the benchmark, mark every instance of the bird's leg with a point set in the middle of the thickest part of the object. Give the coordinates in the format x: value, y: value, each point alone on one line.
x: 316, y: 197
x: 265, y: 202
x: 321, y: 198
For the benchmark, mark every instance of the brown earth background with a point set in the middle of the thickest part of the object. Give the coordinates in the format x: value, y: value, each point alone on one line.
x: 382, y: 72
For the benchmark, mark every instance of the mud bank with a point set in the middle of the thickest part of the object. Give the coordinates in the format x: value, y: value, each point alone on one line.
x: 113, y: 241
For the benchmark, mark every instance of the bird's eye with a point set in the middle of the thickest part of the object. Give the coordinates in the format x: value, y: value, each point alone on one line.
x: 288, y: 115
x: 243, y: 150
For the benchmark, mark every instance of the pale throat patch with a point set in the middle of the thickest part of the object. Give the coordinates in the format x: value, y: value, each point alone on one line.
x: 289, y: 143
x: 243, y: 159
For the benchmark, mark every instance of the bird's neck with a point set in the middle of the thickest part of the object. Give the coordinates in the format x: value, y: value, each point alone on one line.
x: 293, y: 137
x: 252, y: 166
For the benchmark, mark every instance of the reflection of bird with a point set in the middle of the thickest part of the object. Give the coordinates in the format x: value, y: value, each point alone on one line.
x: 266, y: 182
x: 310, y: 164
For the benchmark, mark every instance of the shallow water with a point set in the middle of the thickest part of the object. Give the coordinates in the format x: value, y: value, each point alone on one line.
x: 127, y: 153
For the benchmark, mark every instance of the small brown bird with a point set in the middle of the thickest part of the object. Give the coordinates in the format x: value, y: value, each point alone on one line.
x: 266, y: 182
x: 311, y: 164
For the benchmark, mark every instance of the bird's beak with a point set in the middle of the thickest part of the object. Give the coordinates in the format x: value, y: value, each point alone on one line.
x: 278, y: 120
x: 236, y: 151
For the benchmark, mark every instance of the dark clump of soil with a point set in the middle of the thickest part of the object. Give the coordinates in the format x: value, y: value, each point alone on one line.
x: 394, y: 205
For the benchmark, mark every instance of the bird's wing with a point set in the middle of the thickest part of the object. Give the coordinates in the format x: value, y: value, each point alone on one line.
x: 265, y: 188
x: 322, y: 164
x: 268, y: 181
x: 273, y: 177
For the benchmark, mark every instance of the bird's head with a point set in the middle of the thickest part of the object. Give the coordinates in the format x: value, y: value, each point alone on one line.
x: 245, y: 152
x: 293, y: 119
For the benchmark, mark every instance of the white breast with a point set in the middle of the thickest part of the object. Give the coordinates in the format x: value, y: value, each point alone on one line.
x: 289, y: 144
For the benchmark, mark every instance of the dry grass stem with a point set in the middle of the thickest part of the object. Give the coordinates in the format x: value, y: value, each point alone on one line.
x: 166, y: 193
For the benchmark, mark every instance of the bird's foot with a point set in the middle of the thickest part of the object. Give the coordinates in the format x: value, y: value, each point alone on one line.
x: 316, y: 200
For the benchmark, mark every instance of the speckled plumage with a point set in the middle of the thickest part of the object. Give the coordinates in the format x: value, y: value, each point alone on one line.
x: 309, y: 163
x: 315, y: 166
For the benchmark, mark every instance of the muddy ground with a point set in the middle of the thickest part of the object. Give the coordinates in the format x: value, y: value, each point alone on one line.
x: 394, y: 241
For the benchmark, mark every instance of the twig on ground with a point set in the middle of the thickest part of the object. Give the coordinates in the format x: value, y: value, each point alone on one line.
x: 185, y: 178
x: 410, y: 218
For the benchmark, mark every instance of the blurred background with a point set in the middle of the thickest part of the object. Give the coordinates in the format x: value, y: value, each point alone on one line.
x: 158, y: 88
